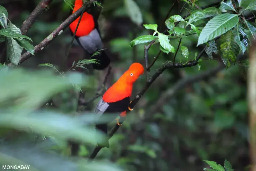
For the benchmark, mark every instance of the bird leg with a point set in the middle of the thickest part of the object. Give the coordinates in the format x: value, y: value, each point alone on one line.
x: 117, y: 122
x: 129, y: 108
x: 122, y: 115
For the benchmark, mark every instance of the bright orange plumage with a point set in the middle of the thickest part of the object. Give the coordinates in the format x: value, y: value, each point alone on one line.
x: 123, y: 87
x: 117, y: 98
x: 87, y: 23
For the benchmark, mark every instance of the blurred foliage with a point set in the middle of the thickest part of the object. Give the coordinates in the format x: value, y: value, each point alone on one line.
x: 40, y: 100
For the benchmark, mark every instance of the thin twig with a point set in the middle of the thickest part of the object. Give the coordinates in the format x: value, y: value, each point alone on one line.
x: 155, y: 58
x: 178, y: 48
x: 168, y: 14
x: 34, y: 14
x: 146, y: 49
x: 57, y: 31
x: 184, y: 82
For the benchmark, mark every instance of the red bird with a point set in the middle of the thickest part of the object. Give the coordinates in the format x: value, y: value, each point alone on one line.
x: 117, y: 98
x: 88, y: 37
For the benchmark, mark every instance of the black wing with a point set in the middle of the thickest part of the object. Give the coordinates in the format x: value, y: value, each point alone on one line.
x: 115, y: 107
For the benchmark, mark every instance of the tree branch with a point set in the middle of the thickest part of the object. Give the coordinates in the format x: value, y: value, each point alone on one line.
x: 251, y: 93
x: 178, y: 48
x: 183, y: 83
x: 165, y: 66
x: 35, y: 13
x: 57, y: 31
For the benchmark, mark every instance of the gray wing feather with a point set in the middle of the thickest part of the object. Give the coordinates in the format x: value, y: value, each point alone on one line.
x: 92, y: 42
x: 101, y: 107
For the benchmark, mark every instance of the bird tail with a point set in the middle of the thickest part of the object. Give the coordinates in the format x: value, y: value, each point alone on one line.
x: 103, y: 128
x: 102, y: 60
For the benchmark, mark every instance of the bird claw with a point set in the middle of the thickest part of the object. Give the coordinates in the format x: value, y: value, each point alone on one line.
x: 130, y: 109
x: 117, y: 122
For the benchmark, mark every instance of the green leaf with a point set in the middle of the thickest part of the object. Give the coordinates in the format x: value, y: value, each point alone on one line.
x: 39, y: 160
x: 12, y: 33
x: 211, y: 48
x: 214, y: 165
x: 202, y: 14
x: 228, y: 166
x: 3, y: 17
x: 165, y: 43
x: 175, y: 18
x: 251, y: 28
x: 195, y: 29
x: 133, y: 11
x: 52, y: 124
x: 151, y: 26
x: 3, y: 20
x: 184, y: 51
x: 245, y: 3
x: 26, y: 45
x: 142, y: 39
x: 3, y: 11
x: 217, y: 26
x: 228, y: 48
x: 179, y: 31
x: 171, y: 20
x: 49, y: 65
x: 169, y: 24
x: 239, y: 42
x: 251, y: 6
x: 13, y: 51
x: 227, y: 6
x: 28, y: 90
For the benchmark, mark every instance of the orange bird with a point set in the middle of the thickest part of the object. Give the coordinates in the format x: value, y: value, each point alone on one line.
x: 117, y: 98
x: 88, y: 37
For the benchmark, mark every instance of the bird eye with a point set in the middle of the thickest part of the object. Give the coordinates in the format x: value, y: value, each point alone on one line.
x: 131, y: 74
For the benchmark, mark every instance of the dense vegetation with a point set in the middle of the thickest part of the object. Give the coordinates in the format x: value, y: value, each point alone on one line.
x: 190, y: 107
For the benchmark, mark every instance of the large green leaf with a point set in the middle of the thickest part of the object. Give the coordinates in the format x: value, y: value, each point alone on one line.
x: 3, y: 11
x: 52, y: 124
x: 245, y: 3
x: 251, y: 6
x: 202, y: 14
x: 228, y: 166
x: 13, y: 51
x: 133, y: 11
x: 3, y: 17
x: 165, y: 43
x: 184, y: 51
x: 251, y: 28
x: 228, y: 48
x: 38, y: 160
x: 238, y: 41
x: 171, y: 20
x: 12, y: 33
x: 211, y: 48
x: 26, y: 45
x: 142, y: 39
x: 151, y: 26
x: 214, y: 165
x: 217, y: 26
x: 227, y: 6
x: 28, y: 90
